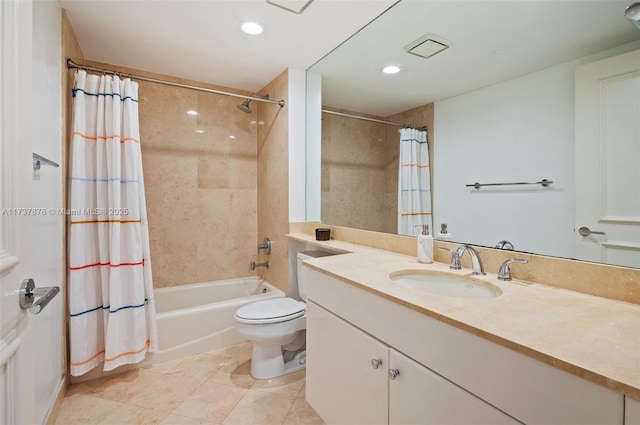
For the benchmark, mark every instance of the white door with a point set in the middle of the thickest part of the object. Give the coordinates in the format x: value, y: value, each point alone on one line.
x: 17, y: 357
x: 607, y: 161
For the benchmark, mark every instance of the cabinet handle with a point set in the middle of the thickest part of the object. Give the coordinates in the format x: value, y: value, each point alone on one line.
x: 393, y: 373
x: 375, y: 363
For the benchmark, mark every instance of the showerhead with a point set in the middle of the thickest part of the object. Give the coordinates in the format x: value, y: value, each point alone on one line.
x: 244, y: 106
x: 633, y: 14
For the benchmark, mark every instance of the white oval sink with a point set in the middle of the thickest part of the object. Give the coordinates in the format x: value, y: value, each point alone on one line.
x: 447, y: 285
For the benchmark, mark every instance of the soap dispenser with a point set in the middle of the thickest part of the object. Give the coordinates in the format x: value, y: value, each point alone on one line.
x: 425, y: 245
x: 444, y: 233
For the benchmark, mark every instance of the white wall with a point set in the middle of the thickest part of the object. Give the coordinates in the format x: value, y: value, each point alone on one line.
x: 518, y: 130
x: 314, y: 147
x: 48, y: 245
x: 296, y: 108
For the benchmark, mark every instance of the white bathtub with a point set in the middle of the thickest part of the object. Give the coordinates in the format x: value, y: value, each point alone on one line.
x: 199, y: 317
x: 196, y: 318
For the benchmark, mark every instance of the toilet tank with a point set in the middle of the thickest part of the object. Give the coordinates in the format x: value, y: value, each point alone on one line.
x: 302, y: 271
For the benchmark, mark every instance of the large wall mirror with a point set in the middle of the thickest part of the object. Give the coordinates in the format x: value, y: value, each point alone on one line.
x: 511, y: 92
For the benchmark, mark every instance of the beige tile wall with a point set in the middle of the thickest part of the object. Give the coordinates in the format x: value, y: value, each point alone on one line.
x: 353, y: 171
x: 360, y: 168
x: 201, y: 184
x: 273, y: 181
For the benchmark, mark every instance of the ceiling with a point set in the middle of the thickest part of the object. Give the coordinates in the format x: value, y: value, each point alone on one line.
x: 490, y: 41
x: 201, y: 40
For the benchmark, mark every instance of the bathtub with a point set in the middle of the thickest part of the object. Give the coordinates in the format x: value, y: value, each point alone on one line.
x: 199, y: 317
x: 196, y: 318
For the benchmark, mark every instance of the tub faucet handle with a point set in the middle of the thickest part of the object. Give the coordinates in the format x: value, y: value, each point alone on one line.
x: 266, y: 245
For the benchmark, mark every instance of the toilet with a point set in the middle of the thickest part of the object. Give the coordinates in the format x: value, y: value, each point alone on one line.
x: 277, y: 328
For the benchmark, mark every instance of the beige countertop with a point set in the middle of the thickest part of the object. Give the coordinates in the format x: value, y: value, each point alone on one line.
x: 595, y: 338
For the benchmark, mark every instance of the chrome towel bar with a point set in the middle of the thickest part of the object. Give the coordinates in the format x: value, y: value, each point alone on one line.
x: 543, y: 182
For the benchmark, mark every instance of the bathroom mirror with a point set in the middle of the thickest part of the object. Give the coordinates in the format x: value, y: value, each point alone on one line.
x: 500, y: 101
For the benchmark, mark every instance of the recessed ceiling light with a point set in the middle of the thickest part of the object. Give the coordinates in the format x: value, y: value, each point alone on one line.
x: 252, y: 28
x: 391, y: 69
x: 232, y: 137
x: 199, y: 131
x: 192, y: 112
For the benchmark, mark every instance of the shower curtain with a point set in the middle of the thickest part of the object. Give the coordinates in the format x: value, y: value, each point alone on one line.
x: 414, y: 183
x: 112, y: 314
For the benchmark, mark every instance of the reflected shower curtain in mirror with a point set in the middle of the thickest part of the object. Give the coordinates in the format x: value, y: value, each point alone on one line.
x: 414, y: 183
x: 112, y: 314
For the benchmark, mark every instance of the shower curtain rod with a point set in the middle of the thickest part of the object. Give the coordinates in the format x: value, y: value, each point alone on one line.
x: 397, y: 124
x: 72, y: 64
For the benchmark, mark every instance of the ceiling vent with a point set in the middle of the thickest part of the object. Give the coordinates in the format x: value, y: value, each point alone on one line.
x: 427, y: 46
x: 295, y: 6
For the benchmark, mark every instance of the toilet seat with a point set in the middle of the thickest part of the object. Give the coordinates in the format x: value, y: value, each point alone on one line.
x: 271, y: 311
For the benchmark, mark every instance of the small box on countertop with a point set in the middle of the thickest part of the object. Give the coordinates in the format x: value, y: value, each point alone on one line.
x: 323, y: 234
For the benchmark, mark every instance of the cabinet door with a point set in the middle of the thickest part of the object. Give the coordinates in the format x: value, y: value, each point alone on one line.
x: 419, y: 396
x: 342, y: 384
x: 631, y: 411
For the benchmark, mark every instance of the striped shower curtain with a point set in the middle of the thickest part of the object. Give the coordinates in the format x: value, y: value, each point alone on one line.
x: 112, y: 314
x: 414, y: 183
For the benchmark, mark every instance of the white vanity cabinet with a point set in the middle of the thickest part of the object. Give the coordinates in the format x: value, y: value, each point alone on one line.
x: 341, y: 378
x: 631, y: 411
x: 446, y: 375
x: 419, y: 396
x: 367, y: 382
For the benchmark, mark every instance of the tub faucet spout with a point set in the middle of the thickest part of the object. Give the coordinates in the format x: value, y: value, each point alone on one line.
x: 253, y: 265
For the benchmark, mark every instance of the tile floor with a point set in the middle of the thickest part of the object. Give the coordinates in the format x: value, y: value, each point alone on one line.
x: 210, y: 388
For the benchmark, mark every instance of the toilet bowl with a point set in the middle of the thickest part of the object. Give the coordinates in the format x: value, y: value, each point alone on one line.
x: 277, y: 328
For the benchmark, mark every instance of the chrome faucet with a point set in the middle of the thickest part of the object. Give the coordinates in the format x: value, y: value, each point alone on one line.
x: 456, y: 255
x: 505, y: 272
x: 476, y: 264
x: 505, y: 245
x: 253, y: 265
x: 455, y: 259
